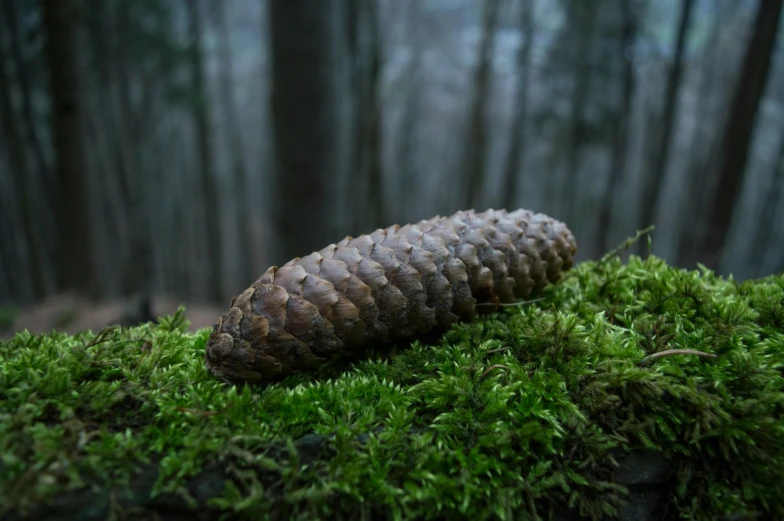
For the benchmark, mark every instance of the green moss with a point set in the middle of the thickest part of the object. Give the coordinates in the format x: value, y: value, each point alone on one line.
x: 515, y: 415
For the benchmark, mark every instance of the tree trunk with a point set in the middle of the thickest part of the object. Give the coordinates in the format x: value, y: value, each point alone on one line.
x: 695, y: 193
x: 358, y: 178
x: 476, y: 135
x: 580, y: 91
x: 209, y: 187
x: 656, y: 176
x: 8, y: 251
x: 365, y: 58
x: 22, y: 180
x: 407, y: 130
x: 739, y: 127
x: 767, y: 222
x: 103, y: 34
x: 515, y: 155
x: 22, y: 71
x: 137, y: 267
x: 305, y: 123
x: 372, y: 119
x: 235, y: 144
x: 9, y: 292
x: 182, y: 272
x: 618, y: 163
x: 40, y: 170
x: 75, y: 248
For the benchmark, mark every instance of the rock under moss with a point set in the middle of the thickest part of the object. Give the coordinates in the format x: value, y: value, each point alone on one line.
x: 553, y: 409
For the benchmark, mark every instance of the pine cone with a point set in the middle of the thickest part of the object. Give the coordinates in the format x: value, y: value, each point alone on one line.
x: 391, y: 285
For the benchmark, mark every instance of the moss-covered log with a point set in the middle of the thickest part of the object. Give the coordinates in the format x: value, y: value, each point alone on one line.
x: 644, y: 474
x: 556, y: 409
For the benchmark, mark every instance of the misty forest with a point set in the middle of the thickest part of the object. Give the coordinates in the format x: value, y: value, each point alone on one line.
x: 180, y: 147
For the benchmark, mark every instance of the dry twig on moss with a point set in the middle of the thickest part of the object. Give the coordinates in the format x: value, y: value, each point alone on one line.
x: 650, y: 358
x: 625, y: 245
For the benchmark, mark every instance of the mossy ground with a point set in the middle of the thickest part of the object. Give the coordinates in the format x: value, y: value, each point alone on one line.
x: 514, y: 415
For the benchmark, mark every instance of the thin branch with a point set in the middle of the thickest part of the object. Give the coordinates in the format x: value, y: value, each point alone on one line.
x: 670, y: 352
x: 493, y: 367
x: 512, y: 304
x: 497, y: 350
x: 102, y: 335
x: 625, y: 245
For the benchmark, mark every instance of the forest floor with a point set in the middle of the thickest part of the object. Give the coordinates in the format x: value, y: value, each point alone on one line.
x: 633, y: 391
x: 70, y: 314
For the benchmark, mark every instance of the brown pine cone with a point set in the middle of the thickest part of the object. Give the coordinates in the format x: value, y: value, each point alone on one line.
x: 390, y: 285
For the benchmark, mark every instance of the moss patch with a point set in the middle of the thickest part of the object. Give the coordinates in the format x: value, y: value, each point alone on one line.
x: 518, y: 415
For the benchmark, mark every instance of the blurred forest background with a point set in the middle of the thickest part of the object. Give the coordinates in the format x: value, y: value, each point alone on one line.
x: 180, y: 147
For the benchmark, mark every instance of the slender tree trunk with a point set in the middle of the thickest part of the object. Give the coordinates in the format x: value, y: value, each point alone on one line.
x: 204, y: 143
x: 406, y: 148
x: 182, y: 273
x: 305, y: 123
x: 580, y: 91
x: 358, y: 177
x: 515, y: 156
x: 655, y: 177
x: 365, y: 58
x: 103, y: 33
x: 476, y: 135
x: 407, y: 130
x: 773, y: 243
x: 372, y: 120
x: 694, y: 198
x: 8, y: 284
x: 40, y: 172
x: 8, y: 252
x: 740, y: 125
x: 137, y: 268
x: 235, y: 144
x: 407, y: 143
x: 22, y: 71
x: 22, y: 180
x: 107, y: 234
x: 76, y: 248
x: 765, y: 227
x: 620, y: 145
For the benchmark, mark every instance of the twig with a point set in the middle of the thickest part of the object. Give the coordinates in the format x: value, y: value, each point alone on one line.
x: 100, y: 338
x: 670, y: 352
x: 493, y: 367
x: 628, y: 243
x: 512, y: 304
x: 497, y: 350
